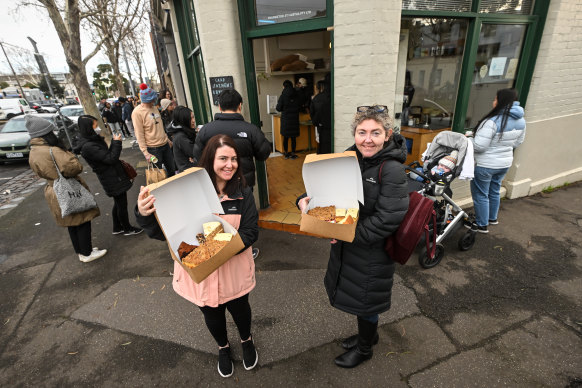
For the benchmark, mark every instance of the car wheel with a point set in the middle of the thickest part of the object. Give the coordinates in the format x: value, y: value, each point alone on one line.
x: 10, y: 116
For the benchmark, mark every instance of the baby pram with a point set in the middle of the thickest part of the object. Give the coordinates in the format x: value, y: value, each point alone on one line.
x: 449, y: 216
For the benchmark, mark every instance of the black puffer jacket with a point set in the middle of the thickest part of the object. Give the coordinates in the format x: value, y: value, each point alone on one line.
x: 249, y: 139
x: 288, y: 105
x: 183, y: 145
x: 105, y: 163
x: 360, y: 274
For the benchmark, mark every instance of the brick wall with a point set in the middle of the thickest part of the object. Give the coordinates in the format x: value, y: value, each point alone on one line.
x: 366, y: 34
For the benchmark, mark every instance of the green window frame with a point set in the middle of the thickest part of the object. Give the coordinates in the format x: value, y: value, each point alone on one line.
x: 535, y: 26
x: 194, y: 63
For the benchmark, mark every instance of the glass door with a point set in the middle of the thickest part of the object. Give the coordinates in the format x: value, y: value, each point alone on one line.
x: 495, y: 67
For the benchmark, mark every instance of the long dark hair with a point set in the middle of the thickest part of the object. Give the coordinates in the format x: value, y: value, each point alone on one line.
x: 85, y: 124
x: 505, y: 99
x: 183, y: 116
x: 207, y: 161
x: 53, y: 141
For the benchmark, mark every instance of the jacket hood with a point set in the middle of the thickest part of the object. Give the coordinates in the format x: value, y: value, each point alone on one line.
x: 394, y: 149
x: 516, y: 111
x: 228, y: 116
x: 174, y: 128
x: 83, y: 140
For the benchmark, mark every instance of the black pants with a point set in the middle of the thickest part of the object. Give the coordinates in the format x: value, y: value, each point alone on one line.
x: 81, y: 238
x: 215, y: 319
x: 124, y: 129
x: 286, y: 143
x: 119, y: 213
x: 324, y: 146
x: 165, y: 156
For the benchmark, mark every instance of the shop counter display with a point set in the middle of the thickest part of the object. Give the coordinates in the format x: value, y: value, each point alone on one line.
x: 305, y: 141
x: 417, y: 140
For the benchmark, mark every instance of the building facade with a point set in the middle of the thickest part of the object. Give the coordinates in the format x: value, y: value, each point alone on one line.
x: 435, y: 64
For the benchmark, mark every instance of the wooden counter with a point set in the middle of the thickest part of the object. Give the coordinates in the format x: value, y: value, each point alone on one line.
x: 306, y: 139
x: 419, y: 137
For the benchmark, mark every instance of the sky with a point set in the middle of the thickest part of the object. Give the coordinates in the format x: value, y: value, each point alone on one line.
x: 19, y: 22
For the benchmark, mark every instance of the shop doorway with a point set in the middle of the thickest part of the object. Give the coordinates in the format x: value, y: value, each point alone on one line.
x: 303, y: 60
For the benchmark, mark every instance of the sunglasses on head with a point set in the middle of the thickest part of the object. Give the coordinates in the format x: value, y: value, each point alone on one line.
x: 375, y: 108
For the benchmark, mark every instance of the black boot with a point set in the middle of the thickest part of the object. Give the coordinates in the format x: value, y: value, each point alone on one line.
x: 352, y: 341
x: 363, y: 350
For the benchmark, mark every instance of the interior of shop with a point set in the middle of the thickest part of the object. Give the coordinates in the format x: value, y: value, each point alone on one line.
x: 302, y: 57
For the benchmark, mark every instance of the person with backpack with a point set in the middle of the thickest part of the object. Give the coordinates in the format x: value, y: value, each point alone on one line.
x: 360, y: 273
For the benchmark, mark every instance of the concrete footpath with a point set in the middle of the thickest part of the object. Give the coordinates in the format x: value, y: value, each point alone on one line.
x: 508, y: 312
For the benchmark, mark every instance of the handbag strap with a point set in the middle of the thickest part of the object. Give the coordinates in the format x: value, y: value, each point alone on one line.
x: 55, y: 162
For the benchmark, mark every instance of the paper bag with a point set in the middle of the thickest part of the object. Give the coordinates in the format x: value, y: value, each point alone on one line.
x: 154, y: 174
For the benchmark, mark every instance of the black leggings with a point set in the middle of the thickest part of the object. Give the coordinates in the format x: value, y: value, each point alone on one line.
x: 215, y: 319
x: 286, y: 143
x: 119, y: 213
x: 81, y: 238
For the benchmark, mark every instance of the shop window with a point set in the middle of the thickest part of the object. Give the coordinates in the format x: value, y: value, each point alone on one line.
x: 429, y: 69
x: 437, y: 5
x: 282, y: 11
x: 519, y: 7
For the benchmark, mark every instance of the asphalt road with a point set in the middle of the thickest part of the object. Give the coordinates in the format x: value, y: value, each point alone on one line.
x: 11, y: 169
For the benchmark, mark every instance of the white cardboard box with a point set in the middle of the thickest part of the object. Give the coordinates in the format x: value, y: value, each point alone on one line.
x: 332, y: 179
x: 183, y: 203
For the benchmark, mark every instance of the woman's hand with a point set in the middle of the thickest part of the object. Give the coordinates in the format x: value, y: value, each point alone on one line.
x: 303, y: 202
x: 145, y: 202
x: 116, y: 137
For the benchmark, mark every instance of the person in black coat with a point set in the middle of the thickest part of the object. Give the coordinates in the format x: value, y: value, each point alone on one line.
x: 118, y: 111
x: 320, y: 111
x: 182, y: 130
x: 289, y: 105
x: 249, y: 139
x: 360, y: 274
x: 105, y: 163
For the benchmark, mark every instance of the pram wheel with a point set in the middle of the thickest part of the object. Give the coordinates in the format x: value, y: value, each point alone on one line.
x: 467, y: 240
x: 428, y: 262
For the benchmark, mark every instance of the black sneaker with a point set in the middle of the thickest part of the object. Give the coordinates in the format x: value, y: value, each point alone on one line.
x: 132, y: 231
x: 255, y: 253
x: 225, y: 366
x: 118, y: 231
x: 480, y: 229
x: 250, y: 355
x: 287, y: 155
x: 293, y: 156
x: 493, y: 222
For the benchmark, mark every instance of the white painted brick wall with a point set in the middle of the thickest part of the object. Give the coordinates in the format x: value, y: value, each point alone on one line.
x: 220, y: 41
x: 366, y: 34
x: 556, y: 88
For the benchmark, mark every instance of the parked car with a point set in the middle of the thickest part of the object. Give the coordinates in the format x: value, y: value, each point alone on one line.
x: 36, y: 106
x: 49, y: 107
x: 15, y: 140
x: 73, y: 111
x: 13, y: 107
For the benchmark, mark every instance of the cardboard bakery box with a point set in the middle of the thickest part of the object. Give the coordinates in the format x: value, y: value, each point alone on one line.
x: 183, y: 203
x: 332, y: 179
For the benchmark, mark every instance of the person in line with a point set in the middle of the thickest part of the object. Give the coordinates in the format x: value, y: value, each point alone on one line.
x: 167, y: 110
x: 496, y: 135
x: 43, y: 140
x: 150, y: 133
x: 111, y: 118
x: 320, y: 111
x: 102, y: 103
x: 304, y: 93
x: 118, y: 110
x: 166, y: 94
x: 288, y: 105
x: 249, y: 139
x: 229, y: 286
x: 360, y: 274
x: 126, y: 111
x: 105, y: 163
x: 182, y: 130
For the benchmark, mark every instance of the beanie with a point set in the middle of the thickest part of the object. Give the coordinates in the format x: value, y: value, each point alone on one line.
x: 450, y: 161
x: 37, y: 126
x: 165, y: 103
x: 147, y: 94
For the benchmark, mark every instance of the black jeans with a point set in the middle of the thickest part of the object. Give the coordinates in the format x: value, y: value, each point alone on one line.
x: 124, y: 129
x: 119, y: 213
x: 215, y: 319
x: 286, y: 143
x: 81, y: 238
x: 165, y: 156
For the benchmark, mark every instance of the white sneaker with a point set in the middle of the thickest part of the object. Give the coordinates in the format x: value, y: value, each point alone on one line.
x: 95, y: 254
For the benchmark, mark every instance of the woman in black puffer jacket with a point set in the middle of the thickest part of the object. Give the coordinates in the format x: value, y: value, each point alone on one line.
x: 105, y: 163
x: 182, y: 130
x: 360, y: 274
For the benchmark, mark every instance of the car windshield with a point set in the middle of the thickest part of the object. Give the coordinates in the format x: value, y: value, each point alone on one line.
x: 72, y: 111
x: 14, y: 125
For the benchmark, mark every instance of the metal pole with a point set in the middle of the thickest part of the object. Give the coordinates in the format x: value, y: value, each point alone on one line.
x: 128, y: 71
x: 13, y: 72
x: 43, y: 71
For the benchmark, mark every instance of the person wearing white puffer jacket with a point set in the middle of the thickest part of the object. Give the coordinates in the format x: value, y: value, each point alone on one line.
x: 495, y: 138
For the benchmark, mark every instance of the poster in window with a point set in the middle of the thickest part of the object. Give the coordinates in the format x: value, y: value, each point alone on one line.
x: 497, y: 67
x: 282, y: 11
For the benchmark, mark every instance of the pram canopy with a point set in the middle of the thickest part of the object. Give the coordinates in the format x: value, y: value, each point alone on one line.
x: 443, y: 144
